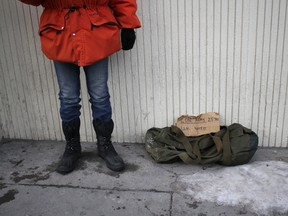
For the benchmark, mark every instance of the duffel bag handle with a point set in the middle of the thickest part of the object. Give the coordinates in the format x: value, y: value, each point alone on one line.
x: 227, y: 156
x: 192, y: 151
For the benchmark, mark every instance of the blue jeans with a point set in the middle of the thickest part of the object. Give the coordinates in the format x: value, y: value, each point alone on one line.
x: 68, y: 76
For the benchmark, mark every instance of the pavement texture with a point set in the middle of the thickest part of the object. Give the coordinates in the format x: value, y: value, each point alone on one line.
x: 29, y: 185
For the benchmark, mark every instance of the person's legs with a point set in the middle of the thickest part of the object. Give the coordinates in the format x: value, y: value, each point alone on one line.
x: 69, y: 90
x: 96, y: 79
x: 69, y: 95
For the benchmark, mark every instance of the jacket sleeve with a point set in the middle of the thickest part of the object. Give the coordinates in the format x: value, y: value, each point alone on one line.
x: 125, y: 13
x: 32, y: 2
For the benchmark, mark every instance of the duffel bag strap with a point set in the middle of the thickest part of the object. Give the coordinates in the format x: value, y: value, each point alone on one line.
x: 192, y: 151
x: 219, y: 148
x: 227, y: 156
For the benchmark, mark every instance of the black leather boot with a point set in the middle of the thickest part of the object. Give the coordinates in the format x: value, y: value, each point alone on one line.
x: 73, y: 148
x: 105, y: 148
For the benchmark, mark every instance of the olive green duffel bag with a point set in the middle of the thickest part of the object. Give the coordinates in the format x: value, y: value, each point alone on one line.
x: 232, y: 145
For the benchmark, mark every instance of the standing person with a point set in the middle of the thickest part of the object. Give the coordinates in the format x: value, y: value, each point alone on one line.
x: 77, y: 33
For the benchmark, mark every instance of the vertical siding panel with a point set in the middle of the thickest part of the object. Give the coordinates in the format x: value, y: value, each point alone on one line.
x: 209, y: 53
x: 123, y: 97
x: 254, y: 89
x: 159, y: 73
x: 155, y: 76
x: 261, y: 106
x: 29, y: 47
x: 23, y: 126
x: 283, y: 114
x: 6, y: 110
x: 264, y: 78
x: 202, y: 56
x: 134, y: 67
x: 223, y: 59
x: 230, y: 62
x: 169, y: 64
x: 249, y: 56
x: 129, y: 92
x: 284, y: 142
x: 175, y: 57
x: 275, y: 72
x: 149, y: 64
x: 242, y: 102
x: 270, y: 88
x: 122, y: 74
x: 16, y: 45
x: 196, y: 56
x: 142, y: 75
x: 237, y: 60
x: 9, y: 73
x: 282, y: 68
x: 216, y: 54
x: 258, y: 67
x: 189, y: 56
x: 147, y: 22
x: 23, y: 49
x: 181, y: 56
x: 3, y: 112
x: 3, y: 101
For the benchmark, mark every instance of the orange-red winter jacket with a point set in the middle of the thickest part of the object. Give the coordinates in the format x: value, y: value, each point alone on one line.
x: 87, y: 33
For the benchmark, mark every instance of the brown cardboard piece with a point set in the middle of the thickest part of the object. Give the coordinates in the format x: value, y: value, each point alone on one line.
x: 204, y: 123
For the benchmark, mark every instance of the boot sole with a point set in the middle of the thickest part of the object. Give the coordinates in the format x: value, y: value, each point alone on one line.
x: 116, y: 169
x: 66, y: 171
x: 63, y: 172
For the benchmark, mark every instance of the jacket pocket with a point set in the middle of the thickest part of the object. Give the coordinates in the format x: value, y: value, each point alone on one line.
x: 101, y: 16
x: 51, y: 23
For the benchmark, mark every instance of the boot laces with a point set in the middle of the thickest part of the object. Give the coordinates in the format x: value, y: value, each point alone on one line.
x: 72, y: 144
x: 107, y: 143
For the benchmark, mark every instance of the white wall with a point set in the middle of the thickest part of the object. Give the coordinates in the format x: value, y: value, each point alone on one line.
x: 191, y: 56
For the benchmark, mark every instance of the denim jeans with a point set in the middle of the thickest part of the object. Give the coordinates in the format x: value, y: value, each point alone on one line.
x: 68, y: 76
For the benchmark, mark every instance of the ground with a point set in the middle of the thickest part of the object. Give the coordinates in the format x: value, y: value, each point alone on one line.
x: 29, y: 185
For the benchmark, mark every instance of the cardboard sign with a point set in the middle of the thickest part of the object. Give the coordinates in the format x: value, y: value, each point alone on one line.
x: 199, y: 125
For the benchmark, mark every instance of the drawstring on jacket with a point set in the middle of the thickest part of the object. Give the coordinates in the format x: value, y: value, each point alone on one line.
x: 74, y: 8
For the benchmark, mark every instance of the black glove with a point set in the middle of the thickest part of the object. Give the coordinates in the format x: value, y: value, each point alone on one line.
x: 128, y: 38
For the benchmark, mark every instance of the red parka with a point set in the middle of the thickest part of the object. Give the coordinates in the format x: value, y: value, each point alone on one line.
x: 83, y: 31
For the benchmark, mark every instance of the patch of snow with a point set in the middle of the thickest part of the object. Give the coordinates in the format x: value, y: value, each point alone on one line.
x: 262, y: 186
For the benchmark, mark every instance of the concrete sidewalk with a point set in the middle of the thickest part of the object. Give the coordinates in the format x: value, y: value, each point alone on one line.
x: 29, y: 186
